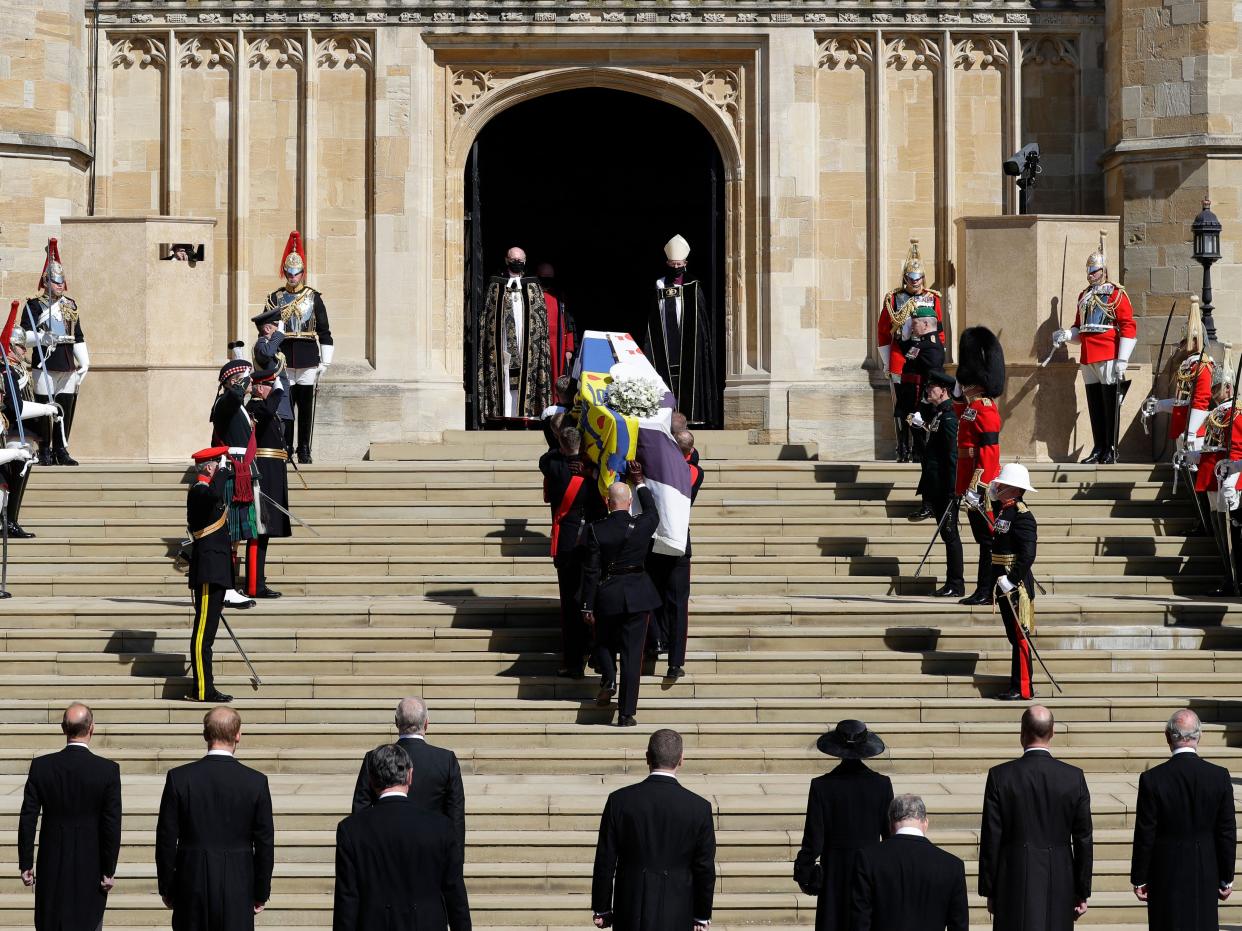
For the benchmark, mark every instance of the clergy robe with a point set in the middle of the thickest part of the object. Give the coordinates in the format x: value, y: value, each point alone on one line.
x: 681, y: 343
x: 561, y: 335
x: 515, y: 368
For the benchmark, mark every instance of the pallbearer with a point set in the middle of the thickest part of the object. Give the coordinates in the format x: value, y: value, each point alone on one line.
x: 896, y: 323
x: 1014, y: 541
x: 271, y: 461
x: 1104, y: 327
x: 307, y: 343
x: 981, y: 380
x: 211, y: 564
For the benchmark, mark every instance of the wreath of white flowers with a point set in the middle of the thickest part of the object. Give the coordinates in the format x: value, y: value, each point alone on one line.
x: 635, y: 396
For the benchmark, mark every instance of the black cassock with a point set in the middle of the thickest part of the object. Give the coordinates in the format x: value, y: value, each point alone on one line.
x: 908, y: 883
x: 847, y: 812
x: 684, y: 353
x: 79, y: 795
x: 214, y: 844
x: 1035, y: 847
x: 655, y: 858
x: 1185, y: 837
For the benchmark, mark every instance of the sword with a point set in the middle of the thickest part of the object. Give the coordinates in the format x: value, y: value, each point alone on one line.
x: 293, y: 517
x: 254, y: 675
x: 952, y: 507
x: 1060, y: 302
x: 1120, y: 389
x: 4, y: 559
x: 291, y: 462
x: 1155, y: 378
x: 1031, y: 643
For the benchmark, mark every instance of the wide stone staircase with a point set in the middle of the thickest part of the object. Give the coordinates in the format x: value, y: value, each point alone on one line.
x: 430, y: 576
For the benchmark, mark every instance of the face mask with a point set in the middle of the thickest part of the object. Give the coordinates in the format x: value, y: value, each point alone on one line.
x: 674, y: 274
x: 517, y: 267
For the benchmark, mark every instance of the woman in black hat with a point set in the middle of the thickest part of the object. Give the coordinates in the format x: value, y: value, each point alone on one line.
x: 847, y: 812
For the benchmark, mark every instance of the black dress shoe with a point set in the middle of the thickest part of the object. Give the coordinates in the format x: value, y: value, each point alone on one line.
x: 214, y: 697
x: 1094, y: 457
x: 304, y: 456
x: 1013, y: 695
x: 266, y: 592
x: 45, y: 456
x: 675, y: 672
x: 1108, y: 457
x: 627, y: 720
x: 921, y: 514
x: 978, y: 598
x: 17, y: 532
x: 567, y: 673
x: 62, y: 457
x: 606, y: 691
x: 949, y: 591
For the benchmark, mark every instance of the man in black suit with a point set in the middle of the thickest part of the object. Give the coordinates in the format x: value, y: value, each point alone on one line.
x: 908, y: 883
x: 437, y: 785
x: 1035, y: 846
x: 655, y: 858
x: 214, y: 840
x: 1185, y: 835
x: 398, y: 866
x: 617, y: 594
x: 79, y: 795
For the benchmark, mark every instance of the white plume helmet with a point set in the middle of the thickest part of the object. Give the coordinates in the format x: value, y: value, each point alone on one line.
x: 677, y: 249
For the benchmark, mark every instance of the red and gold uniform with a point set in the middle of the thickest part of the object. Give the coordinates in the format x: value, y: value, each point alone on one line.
x: 1219, y: 442
x: 1192, y: 396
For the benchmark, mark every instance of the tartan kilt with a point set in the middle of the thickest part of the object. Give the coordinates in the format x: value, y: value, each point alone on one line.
x: 243, y: 518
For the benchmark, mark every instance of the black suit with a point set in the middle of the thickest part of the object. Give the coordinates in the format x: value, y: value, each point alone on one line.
x: 214, y: 844
x: 575, y: 502
x: 909, y: 884
x: 1035, y: 845
x: 437, y: 786
x: 79, y: 795
x: 847, y: 812
x: 671, y: 576
x: 1184, y: 841
x: 655, y: 858
x: 615, y: 586
x: 398, y: 869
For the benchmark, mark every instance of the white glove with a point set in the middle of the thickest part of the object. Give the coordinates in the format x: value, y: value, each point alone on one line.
x: 1119, y: 370
x: 1229, y: 495
x: 1005, y: 585
x: 973, y: 500
x: 82, y: 359
x: 323, y: 367
x: 917, y: 419
x: 1192, y: 456
x: 1150, y: 406
x: 896, y: 378
x: 1061, y: 337
x: 47, y: 339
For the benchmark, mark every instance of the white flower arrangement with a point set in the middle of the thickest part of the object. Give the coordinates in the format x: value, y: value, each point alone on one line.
x: 636, y: 396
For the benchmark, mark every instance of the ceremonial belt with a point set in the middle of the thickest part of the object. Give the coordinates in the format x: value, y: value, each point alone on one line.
x: 304, y: 334
x: 1003, y: 559
x: 211, y: 528
x: 263, y: 453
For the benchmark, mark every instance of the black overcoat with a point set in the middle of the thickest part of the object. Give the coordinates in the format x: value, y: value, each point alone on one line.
x: 269, y: 434
x: 79, y: 797
x: 846, y: 812
x: 655, y: 857
x: 908, y: 883
x: 437, y: 785
x: 1185, y: 836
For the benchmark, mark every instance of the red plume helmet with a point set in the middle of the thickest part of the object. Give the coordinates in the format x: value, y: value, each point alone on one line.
x: 6, y: 335
x: 293, y: 248
x: 52, y: 267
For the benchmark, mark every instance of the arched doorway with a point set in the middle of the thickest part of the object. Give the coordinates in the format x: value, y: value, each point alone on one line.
x: 593, y: 181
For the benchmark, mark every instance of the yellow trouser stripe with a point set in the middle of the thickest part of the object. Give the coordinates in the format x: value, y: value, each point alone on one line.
x: 200, y: 629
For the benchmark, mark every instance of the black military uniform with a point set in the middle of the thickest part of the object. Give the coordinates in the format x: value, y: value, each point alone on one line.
x: 53, y: 329
x: 15, y: 474
x: 1013, y: 553
x: 618, y: 591
x: 575, y: 503
x: 211, y: 569
x: 233, y: 427
x: 271, y: 461
x: 938, y: 481
x: 923, y: 355
x: 214, y: 844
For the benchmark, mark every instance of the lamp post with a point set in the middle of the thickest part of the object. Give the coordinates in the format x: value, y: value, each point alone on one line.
x: 1206, y: 231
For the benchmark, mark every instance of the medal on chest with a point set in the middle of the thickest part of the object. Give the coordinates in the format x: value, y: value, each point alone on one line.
x: 1002, y: 526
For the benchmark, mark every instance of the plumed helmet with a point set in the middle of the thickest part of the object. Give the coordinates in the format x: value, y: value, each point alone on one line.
x: 53, y: 271
x: 293, y: 261
x: 912, y: 267
x: 677, y: 249
x: 1193, y: 339
x: 1098, y: 259
x: 981, y: 361
x: 1223, y: 373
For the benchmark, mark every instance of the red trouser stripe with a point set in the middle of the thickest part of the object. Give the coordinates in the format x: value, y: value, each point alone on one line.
x: 1024, y: 668
x: 252, y: 568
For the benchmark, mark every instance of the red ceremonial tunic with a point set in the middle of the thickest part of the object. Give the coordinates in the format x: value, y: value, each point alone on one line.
x: 978, y: 441
x: 895, y: 323
x: 1115, y: 313
x: 1195, y: 387
x: 1217, y: 439
x: 560, y: 336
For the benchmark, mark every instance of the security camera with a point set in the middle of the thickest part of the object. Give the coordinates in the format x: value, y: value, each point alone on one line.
x: 1025, y: 159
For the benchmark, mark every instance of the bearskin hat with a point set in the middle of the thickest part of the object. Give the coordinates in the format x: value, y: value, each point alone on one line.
x: 981, y: 361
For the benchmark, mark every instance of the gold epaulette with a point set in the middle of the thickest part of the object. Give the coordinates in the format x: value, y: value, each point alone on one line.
x: 987, y: 402
x: 1022, y: 508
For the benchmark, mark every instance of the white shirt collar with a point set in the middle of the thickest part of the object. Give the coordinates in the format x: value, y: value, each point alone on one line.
x: 219, y: 752
x: 1037, y: 750
x: 77, y: 743
x: 411, y: 737
x: 664, y: 772
x: 1185, y: 750
x: 392, y: 792
x: 913, y: 832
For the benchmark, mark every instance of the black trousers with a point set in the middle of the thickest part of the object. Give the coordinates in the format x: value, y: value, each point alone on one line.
x: 208, y: 601
x: 574, y: 634
x: 304, y: 413
x: 982, y: 533
x: 1020, y: 673
x: 951, y: 537
x: 671, y: 621
x: 624, y: 634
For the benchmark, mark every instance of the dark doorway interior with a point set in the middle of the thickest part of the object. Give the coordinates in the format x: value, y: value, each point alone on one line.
x: 594, y: 181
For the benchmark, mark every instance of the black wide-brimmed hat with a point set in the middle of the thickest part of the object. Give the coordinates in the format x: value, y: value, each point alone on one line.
x: 850, y: 740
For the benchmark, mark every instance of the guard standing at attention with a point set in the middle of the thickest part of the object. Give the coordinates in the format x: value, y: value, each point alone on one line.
x: 211, y: 564
x: 271, y: 460
x: 939, y: 479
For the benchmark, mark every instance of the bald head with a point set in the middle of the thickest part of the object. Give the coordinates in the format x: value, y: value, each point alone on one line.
x: 1037, y: 726
x: 516, y: 254
x: 411, y: 717
x: 222, y: 728
x: 78, y: 723
x: 619, y: 496
x: 1183, y: 729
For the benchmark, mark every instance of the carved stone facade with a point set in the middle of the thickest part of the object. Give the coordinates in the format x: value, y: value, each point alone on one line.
x: 844, y: 131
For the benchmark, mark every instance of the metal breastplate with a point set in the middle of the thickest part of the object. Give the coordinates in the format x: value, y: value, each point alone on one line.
x: 1217, y: 424
x: 1095, y: 312
x: 1187, y: 375
x: 297, y: 311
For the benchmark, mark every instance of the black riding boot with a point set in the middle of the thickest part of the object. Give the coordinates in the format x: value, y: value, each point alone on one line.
x: 1095, y: 410
x: 304, y: 401
x: 1110, y: 410
x: 60, y: 451
x: 17, y: 490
